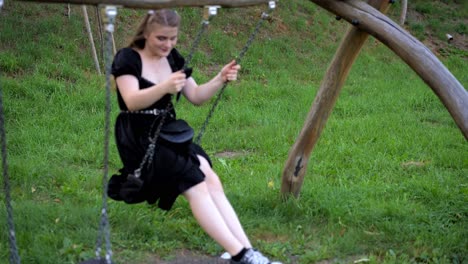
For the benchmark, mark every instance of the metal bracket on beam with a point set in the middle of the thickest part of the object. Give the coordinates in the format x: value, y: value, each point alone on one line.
x: 272, y: 4
x: 109, y: 18
x: 210, y: 11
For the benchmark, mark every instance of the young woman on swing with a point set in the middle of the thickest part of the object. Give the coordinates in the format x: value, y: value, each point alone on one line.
x: 148, y: 73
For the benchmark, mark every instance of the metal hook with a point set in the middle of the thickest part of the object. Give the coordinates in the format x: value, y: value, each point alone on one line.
x: 210, y: 11
x: 272, y: 4
x: 111, y: 13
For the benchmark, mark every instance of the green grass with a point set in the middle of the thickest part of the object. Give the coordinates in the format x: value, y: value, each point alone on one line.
x: 386, y: 181
x: 435, y: 19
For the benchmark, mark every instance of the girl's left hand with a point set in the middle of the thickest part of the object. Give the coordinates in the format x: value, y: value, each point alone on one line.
x: 229, y: 71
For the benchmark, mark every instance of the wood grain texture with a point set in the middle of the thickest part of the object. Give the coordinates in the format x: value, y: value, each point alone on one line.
x: 335, y: 77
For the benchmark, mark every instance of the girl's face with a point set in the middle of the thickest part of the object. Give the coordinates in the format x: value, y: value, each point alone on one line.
x: 161, y: 40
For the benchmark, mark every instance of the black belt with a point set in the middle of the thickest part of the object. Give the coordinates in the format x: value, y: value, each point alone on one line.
x: 155, y: 112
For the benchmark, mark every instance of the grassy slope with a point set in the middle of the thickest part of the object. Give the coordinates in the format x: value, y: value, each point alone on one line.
x: 387, y: 180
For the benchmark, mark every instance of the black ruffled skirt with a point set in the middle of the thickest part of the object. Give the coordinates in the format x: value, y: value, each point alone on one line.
x: 173, y: 169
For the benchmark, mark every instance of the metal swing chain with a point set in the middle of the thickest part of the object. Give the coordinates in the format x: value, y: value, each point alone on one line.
x: 264, y: 16
x: 210, y: 12
x: 104, y: 228
x: 148, y: 158
x: 14, y: 256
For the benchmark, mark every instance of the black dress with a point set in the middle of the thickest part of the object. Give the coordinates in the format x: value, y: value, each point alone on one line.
x: 174, y: 168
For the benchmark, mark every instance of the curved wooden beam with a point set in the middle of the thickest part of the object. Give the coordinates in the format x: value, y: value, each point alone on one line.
x: 414, y: 53
x: 449, y: 90
x: 157, y: 4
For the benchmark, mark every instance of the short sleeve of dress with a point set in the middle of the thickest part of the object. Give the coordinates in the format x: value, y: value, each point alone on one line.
x: 126, y: 62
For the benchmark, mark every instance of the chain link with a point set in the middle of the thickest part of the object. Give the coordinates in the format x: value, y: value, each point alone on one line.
x: 196, y: 42
x: 244, y: 50
x: 104, y: 227
x: 14, y: 256
x: 194, y: 47
x: 150, y: 151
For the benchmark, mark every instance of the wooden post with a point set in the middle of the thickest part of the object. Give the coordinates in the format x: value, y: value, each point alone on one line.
x: 349, y: 49
x: 91, y: 40
x: 404, y: 10
x: 68, y: 11
x: 99, y: 29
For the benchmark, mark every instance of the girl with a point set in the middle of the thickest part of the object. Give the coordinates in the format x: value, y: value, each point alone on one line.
x: 148, y: 73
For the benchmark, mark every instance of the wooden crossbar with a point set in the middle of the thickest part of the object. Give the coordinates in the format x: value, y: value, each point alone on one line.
x: 157, y: 4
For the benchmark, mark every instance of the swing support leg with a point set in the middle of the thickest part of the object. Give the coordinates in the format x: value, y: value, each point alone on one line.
x: 348, y: 51
x: 91, y: 39
x: 449, y: 90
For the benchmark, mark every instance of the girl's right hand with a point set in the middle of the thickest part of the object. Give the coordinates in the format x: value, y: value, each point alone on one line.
x: 175, y: 83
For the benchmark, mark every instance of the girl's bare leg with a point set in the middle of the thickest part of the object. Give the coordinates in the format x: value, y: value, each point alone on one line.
x: 225, y: 208
x: 210, y: 219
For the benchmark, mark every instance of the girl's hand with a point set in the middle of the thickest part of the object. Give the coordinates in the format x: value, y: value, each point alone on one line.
x: 229, y: 71
x: 175, y: 83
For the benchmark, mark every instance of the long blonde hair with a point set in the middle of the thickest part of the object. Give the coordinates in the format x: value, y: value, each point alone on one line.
x: 161, y: 17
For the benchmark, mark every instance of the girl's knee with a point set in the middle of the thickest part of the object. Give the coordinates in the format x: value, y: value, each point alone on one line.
x: 196, y: 191
x: 211, y: 178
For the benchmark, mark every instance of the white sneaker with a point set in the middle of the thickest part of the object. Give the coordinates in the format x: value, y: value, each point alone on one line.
x: 253, y: 257
x: 226, y: 256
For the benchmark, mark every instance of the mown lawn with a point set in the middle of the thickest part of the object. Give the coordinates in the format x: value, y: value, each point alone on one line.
x: 386, y: 182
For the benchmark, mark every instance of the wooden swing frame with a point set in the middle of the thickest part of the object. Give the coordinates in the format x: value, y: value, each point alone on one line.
x: 366, y: 18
